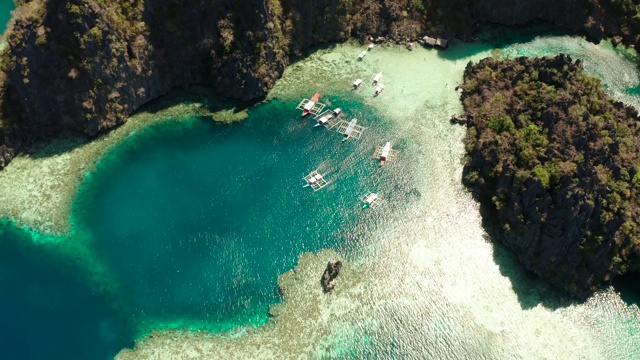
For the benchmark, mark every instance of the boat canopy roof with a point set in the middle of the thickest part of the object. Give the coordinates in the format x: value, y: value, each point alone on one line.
x: 371, y: 197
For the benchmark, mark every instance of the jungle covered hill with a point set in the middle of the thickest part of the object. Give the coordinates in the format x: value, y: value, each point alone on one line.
x: 85, y: 65
x: 554, y: 162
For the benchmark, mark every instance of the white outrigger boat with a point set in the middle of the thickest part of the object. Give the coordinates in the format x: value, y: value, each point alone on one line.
x: 377, y: 77
x: 362, y: 54
x: 311, y: 106
x: 356, y: 83
x: 386, y: 153
x: 349, y: 129
x: 379, y: 89
x: 370, y: 200
x: 327, y: 116
x: 371, y: 46
x: 315, y: 180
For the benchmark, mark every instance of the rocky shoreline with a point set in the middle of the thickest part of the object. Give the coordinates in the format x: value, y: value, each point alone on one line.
x: 122, y: 55
x: 553, y: 161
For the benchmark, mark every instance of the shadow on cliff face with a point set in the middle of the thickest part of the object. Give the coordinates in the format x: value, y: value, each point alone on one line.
x: 208, y: 105
x: 497, y: 37
x: 205, y: 96
x: 628, y: 287
x: 60, y: 144
x: 327, y: 47
x: 529, y: 287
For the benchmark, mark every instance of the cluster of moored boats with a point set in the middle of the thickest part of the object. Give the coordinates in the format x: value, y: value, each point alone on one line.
x: 331, y: 119
x: 377, y: 78
x: 379, y: 86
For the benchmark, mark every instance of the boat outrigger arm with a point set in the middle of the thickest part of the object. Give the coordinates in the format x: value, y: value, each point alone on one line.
x: 311, y: 106
x: 386, y: 153
x: 328, y: 115
x: 315, y: 180
x: 370, y: 200
x: 350, y: 129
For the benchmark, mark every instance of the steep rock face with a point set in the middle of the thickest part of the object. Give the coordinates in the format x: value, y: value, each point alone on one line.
x: 554, y: 162
x: 571, y: 14
x: 86, y: 65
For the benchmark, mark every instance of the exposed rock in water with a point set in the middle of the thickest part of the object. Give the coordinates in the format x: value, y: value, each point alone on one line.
x: 554, y: 162
x: 460, y: 119
x: 332, y: 271
x: 616, y: 40
x: 86, y: 65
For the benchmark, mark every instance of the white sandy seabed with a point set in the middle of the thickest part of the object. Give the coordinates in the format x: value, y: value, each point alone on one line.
x: 431, y: 286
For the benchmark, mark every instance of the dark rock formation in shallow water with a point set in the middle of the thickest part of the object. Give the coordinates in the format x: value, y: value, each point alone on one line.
x: 85, y: 65
x: 332, y: 271
x: 555, y: 164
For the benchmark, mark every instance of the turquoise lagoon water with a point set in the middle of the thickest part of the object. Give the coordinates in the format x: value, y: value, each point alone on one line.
x: 5, y: 13
x: 194, y: 221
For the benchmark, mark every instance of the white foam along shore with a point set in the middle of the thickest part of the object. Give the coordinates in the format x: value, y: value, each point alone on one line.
x: 432, y: 285
x: 37, y: 190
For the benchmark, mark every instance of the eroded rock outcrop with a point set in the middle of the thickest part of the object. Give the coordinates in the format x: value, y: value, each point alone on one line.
x: 330, y: 273
x: 554, y: 162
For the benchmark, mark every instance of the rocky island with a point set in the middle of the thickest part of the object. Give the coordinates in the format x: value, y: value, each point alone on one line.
x: 554, y: 162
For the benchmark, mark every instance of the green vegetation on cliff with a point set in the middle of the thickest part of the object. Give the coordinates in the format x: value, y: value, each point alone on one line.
x: 555, y: 162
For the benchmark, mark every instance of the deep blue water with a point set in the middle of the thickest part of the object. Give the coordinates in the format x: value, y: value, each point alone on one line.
x: 46, y: 310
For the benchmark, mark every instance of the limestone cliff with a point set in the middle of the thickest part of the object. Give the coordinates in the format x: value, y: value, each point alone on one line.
x: 85, y: 65
x: 554, y: 162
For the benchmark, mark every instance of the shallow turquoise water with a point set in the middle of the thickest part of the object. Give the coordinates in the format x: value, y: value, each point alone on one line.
x: 5, y: 13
